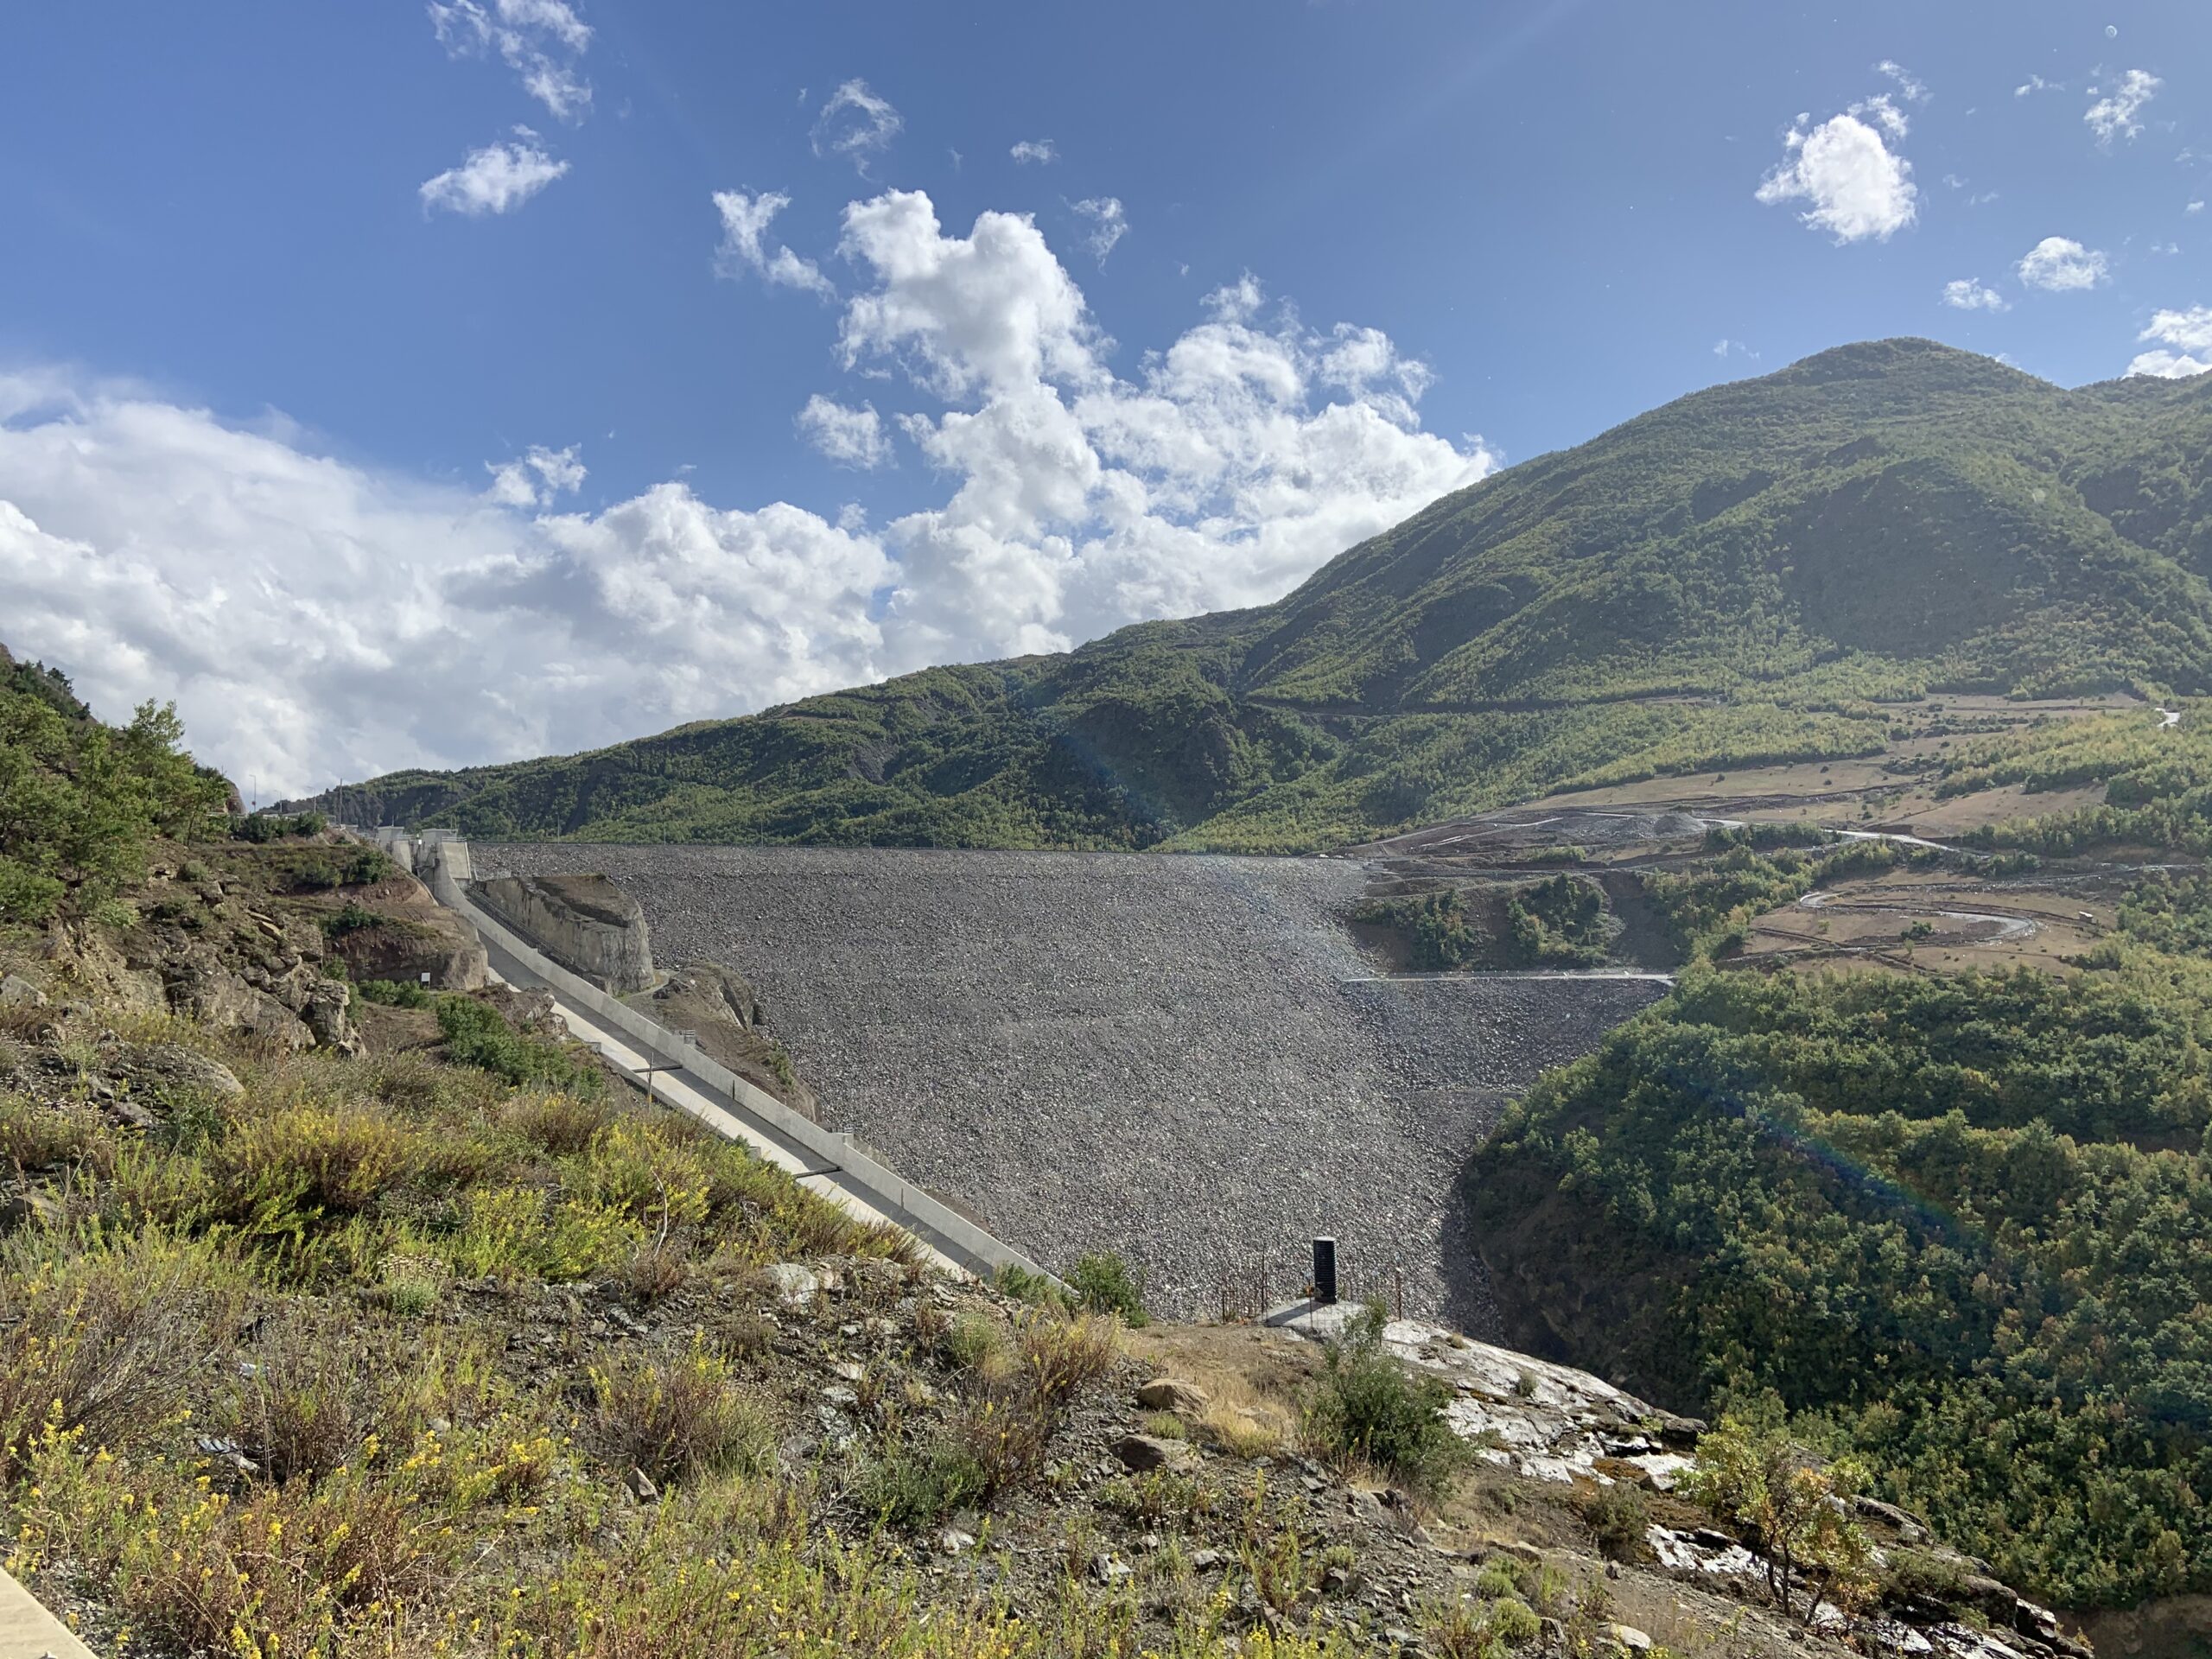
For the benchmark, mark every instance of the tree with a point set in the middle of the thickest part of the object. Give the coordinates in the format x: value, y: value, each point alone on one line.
x: 1752, y: 1476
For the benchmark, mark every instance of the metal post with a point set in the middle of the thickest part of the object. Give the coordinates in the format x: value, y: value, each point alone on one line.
x: 1325, y: 1272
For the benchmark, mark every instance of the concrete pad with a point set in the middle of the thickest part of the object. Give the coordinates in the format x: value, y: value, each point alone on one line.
x: 28, y: 1630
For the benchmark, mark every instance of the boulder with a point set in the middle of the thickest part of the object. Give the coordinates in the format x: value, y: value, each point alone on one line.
x: 1143, y: 1452
x: 793, y: 1283
x: 26, y: 1206
x: 1173, y: 1394
x: 19, y: 993
x: 326, y: 1011
x: 531, y: 1012
x: 1623, y: 1638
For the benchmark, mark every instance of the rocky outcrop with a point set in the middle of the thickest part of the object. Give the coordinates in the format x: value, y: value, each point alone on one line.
x: 259, y: 976
x: 1549, y: 1422
x: 585, y: 923
x: 718, y: 1006
x: 404, y: 949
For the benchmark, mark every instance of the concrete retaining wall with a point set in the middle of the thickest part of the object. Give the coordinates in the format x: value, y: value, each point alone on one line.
x: 446, y: 866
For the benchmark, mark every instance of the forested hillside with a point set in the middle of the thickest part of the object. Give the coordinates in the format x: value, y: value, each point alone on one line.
x: 1959, y: 1226
x: 1741, y: 577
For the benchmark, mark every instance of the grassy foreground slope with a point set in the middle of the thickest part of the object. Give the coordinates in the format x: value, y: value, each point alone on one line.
x: 1738, y: 577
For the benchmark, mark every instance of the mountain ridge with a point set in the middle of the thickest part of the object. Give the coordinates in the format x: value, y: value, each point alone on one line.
x: 1745, y: 572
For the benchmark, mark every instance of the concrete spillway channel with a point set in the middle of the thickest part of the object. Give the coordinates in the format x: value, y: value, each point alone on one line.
x: 1181, y: 1060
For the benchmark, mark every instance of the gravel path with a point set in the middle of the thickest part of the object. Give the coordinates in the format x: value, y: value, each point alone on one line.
x: 1183, y: 1059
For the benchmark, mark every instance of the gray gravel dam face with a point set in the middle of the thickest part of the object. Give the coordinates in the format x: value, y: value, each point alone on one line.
x: 1182, y: 1060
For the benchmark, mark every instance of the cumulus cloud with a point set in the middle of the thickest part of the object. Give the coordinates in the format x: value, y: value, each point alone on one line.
x: 496, y: 179
x: 1109, y: 225
x: 397, y: 622
x: 2193, y: 207
x: 2037, y: 84
x: 851, y: 437
x: 855, y: 124
x: 2114, y: 114
x: 1971, y: 293
x: 1857, y: 186
x: 536, y: 478
x: 540, y: 40
x: 744, y: 245
x: 992, y: 310
x: 2058, y: 264
x: 427, y: 624
x: 2189, y: 336
x: 1247, y: 453
x: 1042, y: 151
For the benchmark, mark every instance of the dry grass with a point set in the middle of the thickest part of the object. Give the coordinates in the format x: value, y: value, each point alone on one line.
x: 677, y: 1417
x: 109, y: 1342
x: 312, y: 1398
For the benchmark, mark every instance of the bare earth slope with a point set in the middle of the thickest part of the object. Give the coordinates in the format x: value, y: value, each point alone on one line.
x: 1180, y: 1060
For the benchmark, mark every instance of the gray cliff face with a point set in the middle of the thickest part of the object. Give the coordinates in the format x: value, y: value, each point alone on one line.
x: 585, y: 923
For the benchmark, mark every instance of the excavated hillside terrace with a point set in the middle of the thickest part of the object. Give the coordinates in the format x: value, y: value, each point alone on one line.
x: 1184, y: 1060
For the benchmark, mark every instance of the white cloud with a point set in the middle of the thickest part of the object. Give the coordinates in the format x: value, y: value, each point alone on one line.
x: 535, y: 480
x: 1725, y: 347
x: 1108, y: 224
x: 2037, y: 84
x: 1971, y: 293
x: 1043, y: 151
x: 2113, y: 115
x: 539, y: 40
x: 496, y: 179
x: 400, y: 622
x: 1858, y: 186
x: 2193, y: 207
x: 1909, y: 87
x: 2169, y: 365
x: 993, y: 309
x: 2058, y: 264
x: 423, y: 623
x: 2189, y: 332
x: 851, y: 437
x: 855, y: 124
x: 744, y: 245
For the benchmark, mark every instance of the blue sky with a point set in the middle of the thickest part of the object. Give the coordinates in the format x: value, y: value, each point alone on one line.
x: 289, y: 286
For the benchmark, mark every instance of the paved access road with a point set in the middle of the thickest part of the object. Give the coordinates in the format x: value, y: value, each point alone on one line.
x: 1183, y: 1059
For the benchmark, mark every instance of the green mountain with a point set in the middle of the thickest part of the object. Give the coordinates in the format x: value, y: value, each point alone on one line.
x: 1741, y: 577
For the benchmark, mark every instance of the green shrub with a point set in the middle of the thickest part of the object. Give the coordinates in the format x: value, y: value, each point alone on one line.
x: 261, y: 828
x: 1368, y: 1406
x: 476, y: 1035
x: 81, y: 802
x: 913, y: 1487
x: 1106, y: 1284
x: 1515, y: 1622
x: 391, y: 995
x: 352, y: 918
x: 1619, y: 1518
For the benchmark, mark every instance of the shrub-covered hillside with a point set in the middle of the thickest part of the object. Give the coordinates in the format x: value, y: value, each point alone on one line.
x: 1731, y: 579
x: 1959, y: 1226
